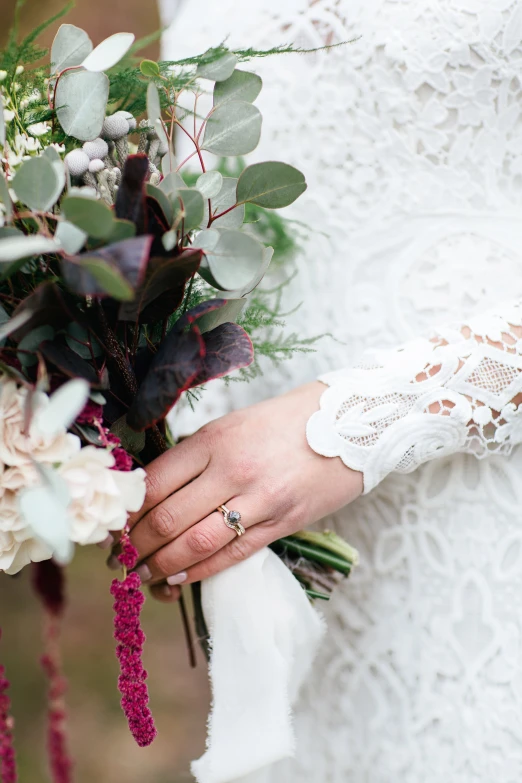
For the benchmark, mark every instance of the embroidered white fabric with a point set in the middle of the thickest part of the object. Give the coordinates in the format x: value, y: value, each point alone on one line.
x: 458, y: 391
x: 411, y: 141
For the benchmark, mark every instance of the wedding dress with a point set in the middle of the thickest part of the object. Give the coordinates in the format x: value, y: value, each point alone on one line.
x: 410, y: 137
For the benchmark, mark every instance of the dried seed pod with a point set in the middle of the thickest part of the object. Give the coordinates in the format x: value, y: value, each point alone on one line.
x: 96, y: 165
x: 77, y: 162
x: 96, y: 149
x: 129, y: 117
x: 115, y: 127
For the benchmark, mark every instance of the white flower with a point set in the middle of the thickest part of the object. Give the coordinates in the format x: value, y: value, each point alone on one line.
x: 38, y: 128
x: 60, y: 148
x: 19, y: 69
x: 8, y: 115
x: 17, y: 447
x: 3, y: 75
x: 101, y: 498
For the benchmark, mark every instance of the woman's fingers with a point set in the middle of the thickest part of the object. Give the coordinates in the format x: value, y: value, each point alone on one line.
x: 199, y: 542
x: 234, y: 552
x: 168, y: 473
x: 179, y: 512
x: 165, y: 593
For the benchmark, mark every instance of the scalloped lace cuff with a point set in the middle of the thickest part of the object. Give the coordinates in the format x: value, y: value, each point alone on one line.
x: 429, y: 398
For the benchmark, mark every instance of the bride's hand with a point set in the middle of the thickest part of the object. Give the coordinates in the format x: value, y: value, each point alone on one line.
x: 256, y: 461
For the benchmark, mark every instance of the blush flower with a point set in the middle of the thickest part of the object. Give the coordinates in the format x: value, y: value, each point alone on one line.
x: 101, y: 498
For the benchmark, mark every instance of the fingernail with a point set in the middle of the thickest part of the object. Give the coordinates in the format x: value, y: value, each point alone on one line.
x: 166, y: 591
x: 113, y: 563
x: 177, y: 579
x: 144, y: 572
x: 106, y: 543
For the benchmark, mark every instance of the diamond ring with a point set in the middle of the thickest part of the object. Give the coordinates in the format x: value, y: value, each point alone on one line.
x: 232, y: 519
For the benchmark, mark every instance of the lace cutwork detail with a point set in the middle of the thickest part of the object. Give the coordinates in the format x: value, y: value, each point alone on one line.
x: 435, y: 397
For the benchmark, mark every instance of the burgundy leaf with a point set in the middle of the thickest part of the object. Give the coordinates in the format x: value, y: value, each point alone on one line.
x: 129, y: 257
x: 162, y: 291
x: 50, y: 307
x: 156, y: 224
x: 228, y: 347
x: 130, y: 200
x: 196, y: 312
x: 172, y: 370
x: 69, y: 362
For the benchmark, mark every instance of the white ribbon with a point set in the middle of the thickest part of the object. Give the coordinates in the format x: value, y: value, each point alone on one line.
x: 264, y: 634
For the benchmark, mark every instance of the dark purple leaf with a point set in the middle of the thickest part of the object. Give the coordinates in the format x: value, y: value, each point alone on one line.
x: 227, y: 347
x: 49, y: 306
x: 176, y: 364
x: 196, y: 312
x: 130, y: 200
x: 69, y: 362
x: 129, y: 257
x: 162, y: 291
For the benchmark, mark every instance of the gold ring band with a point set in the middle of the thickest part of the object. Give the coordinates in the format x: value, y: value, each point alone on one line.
x: 232, y: 520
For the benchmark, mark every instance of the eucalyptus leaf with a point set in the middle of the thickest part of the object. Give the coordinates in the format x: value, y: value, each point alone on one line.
x: 15, y: 248
x: 75, y: 338
x: 70, y: 237
x: 109, y: 278
x: 238, y: 293
x: 207, y: 240
x: 159, y: 127
x: 149, y: 68
x: 236, y: 259
x: 44, y: 508
x: 10, y: 231
x: 5, y: 198
x: 271, y: 185
x: 171, y: 183
x: 153, y: 103
x: 36, y: 184
x: 225, y: 199
x: 163, y: 200
x: 109, y: 52
x: 14, y: 323
x: 220, y: 69
x: 241, y: 86
x: 234, y: 128
x: 70, y: 47
x: 31, y: 342
x: 81, y: 102
x: 64, y: 406
x: 168, y: 162
x: 121, y: 229
x: 59, y: 169
x: 189, y: 207
x: 93, y: 217
x: 210, y: 183
x: 228, y: 313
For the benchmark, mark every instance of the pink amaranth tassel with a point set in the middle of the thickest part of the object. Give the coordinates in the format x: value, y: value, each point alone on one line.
x: 48, y: 583
x: 7, y: 755
x: 60, y: 763
x: 127, y: 631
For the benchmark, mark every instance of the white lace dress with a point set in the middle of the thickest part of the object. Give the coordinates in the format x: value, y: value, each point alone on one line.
x: 411, y: 141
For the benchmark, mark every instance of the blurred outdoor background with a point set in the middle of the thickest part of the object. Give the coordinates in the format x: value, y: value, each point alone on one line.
x: 100, y: 742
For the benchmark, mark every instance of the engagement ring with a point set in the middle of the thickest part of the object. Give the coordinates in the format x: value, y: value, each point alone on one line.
x: 232, y: 519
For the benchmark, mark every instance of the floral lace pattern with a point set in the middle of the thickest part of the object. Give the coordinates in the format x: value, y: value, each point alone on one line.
x: 411, y: 141
x: 430, y: 398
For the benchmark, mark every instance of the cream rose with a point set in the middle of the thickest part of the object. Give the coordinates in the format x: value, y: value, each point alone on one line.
x: 18, y: 447
x: 101, y: 498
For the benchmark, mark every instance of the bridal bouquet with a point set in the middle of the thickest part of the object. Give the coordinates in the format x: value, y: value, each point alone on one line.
x: 123, y: 276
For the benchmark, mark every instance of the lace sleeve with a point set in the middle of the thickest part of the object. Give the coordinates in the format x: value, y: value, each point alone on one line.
x: 458, y: 391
